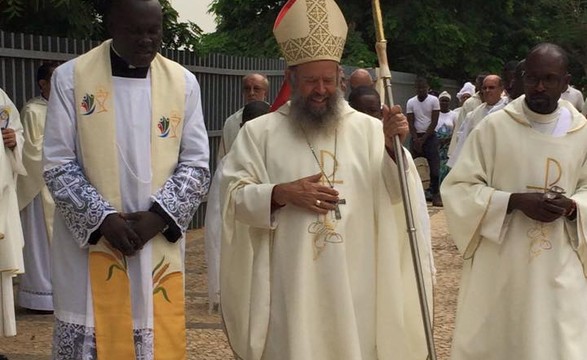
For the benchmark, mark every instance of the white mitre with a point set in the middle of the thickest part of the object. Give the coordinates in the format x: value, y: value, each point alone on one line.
x: 310, y: 30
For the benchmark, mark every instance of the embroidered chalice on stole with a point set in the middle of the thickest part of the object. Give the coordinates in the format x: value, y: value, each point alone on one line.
x: 101, y: 97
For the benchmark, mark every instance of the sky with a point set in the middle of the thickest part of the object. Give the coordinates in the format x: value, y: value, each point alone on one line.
x: 196, y: 11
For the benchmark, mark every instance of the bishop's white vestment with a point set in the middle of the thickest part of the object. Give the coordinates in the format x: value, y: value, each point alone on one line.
x: 298, y: 285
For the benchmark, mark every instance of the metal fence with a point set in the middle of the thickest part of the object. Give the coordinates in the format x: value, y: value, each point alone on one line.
x: 219, y: 76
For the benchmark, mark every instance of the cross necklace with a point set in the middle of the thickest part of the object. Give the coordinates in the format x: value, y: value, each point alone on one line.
x: 337, y: 213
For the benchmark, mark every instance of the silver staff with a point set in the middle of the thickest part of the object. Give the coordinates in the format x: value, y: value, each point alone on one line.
x: 385, y: 74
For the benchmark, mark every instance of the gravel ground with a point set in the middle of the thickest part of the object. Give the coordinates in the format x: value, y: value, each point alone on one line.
x: 205, y: 337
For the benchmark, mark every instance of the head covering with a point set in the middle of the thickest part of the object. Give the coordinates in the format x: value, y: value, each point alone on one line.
x: 310, y: 30
x: 444, y: 94
x: 468, y: 88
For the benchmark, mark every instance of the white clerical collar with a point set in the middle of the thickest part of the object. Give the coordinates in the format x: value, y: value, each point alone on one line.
x: 541, y: 118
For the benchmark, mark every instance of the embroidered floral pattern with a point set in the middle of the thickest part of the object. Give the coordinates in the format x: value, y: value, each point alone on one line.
x: 324, y: 233
x: 80, y: 204
x: 539, y: 235
x: 161, y: 276
x: 78, y: 342
x: 73, y: 342
x: 116, y: 258
x: 183, y: 192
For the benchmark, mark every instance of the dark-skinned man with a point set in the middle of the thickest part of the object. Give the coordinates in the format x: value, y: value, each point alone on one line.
x: 515, y: 205
x: 422, y: 111
x: 126, y: 161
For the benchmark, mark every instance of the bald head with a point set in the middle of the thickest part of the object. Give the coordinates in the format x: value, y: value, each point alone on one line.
x: 550, y: 51
x: 492, y: 89
x: 255, y: 87
x: 545, y: 77
x: 360, y: 77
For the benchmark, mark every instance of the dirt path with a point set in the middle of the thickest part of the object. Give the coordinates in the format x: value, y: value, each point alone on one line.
x: 205, y: 337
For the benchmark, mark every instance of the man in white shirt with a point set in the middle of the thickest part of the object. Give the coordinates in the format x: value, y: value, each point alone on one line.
x: 422, y: 112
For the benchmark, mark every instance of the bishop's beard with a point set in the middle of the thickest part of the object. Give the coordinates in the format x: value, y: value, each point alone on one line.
x: 316, y: 120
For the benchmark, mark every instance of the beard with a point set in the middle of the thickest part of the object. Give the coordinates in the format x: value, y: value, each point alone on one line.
x: 314, y: 119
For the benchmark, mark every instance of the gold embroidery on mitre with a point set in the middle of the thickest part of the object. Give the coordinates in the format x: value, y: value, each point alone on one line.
x: 325, y: 39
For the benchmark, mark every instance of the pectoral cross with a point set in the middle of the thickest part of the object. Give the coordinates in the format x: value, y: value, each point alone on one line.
x: 337, y: 214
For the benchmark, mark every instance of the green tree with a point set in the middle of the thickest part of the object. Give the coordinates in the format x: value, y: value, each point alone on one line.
x: 568, y: 27
x: 83, y: 19
x: 451, y: 39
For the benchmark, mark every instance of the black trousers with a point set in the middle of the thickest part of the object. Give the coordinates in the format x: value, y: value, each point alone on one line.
x: 430, y: 151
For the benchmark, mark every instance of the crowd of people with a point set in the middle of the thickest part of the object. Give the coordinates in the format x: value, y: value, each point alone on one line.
x: 307, y: 248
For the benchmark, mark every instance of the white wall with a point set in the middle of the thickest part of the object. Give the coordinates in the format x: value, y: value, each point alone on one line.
x: 196, y: 11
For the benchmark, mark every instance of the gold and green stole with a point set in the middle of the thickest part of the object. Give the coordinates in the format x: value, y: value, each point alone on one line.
x: 96, y: 127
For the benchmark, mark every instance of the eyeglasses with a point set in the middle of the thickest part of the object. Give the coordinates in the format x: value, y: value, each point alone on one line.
x: 548, y: 81
x: 255, y: 89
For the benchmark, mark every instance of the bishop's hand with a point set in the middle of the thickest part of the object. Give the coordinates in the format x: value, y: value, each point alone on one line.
x: 537, y: 207
x: 307, y: 193
x: 395, y: 123
x: 119, y: 234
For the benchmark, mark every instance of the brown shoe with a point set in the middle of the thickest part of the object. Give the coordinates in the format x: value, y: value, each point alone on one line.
x: 437, y: 200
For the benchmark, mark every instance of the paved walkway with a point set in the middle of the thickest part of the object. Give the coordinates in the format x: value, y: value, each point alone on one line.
x: 205, y: 337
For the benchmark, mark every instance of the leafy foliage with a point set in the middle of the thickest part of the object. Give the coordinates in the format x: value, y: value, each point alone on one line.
x: 568, y: 29
x: 455, y: 39
x: 83, y: 19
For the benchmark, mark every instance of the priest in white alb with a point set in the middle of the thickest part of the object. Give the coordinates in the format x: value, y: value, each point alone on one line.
x: 11, y: 240
x: 492, y: 101
x: 515, y: 204
x: 35, y: 202
x: 316, y: 261
x: 126, y: 160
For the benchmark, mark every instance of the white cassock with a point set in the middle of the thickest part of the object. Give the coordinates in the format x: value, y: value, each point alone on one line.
x: 213, y: 221
x: 230, y: 130
x: 36, y: 212
x: 296, y: 285
x: 74, y: 336
x: 524, y: 286
x: 469, y: 105
x: 11, y: 240
x: 472, y: 119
